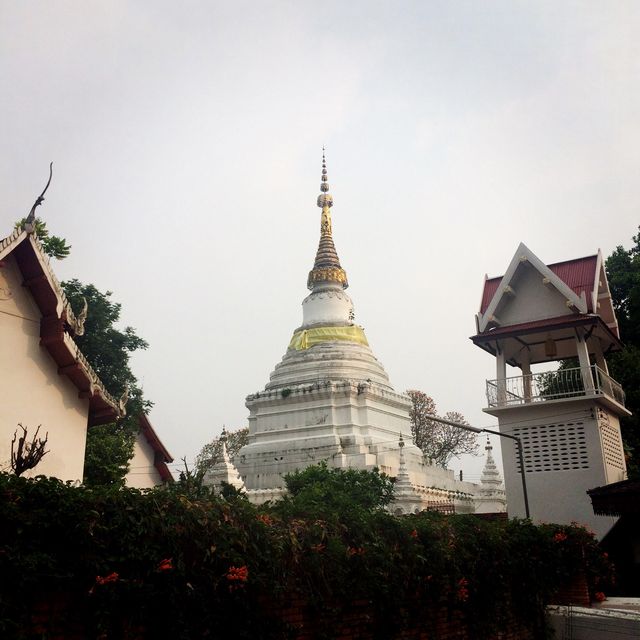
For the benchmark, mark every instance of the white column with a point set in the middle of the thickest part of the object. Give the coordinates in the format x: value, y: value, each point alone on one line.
x: 597, y: 350
x: 585, y: 365
x: 501, y: 375
x: 526, y: 374
x: 604, y: 382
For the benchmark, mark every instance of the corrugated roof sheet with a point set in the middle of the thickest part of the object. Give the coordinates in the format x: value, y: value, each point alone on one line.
x: 578, y: 274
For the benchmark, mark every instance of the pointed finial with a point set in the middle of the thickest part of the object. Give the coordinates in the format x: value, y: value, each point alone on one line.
x: 401, y: 442
x: 326, y: 268
x: 223, y: 435
x: 324, y: 199
x: 32, y: 214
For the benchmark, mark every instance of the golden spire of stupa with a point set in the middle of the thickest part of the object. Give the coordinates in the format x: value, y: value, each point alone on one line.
x: 326, y: 268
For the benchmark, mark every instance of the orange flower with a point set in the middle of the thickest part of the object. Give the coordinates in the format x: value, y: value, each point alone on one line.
x: 238, y: 574
x: 265, y: 519
x: 318, y: 548
x: 560, y: 536
x: 165, y: 565
x: 355, y: 551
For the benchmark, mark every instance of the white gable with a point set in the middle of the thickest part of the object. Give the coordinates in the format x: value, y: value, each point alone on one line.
x: 529, y: 291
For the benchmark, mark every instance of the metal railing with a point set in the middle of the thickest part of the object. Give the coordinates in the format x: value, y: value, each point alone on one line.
x: 553, y: 385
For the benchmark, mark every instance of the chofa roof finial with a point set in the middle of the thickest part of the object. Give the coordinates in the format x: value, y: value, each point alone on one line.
x: 32, y: 214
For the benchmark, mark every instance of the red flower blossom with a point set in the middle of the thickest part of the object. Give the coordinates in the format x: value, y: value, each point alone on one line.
x: 561, y: 536
x: 599, y: 596
x: 462, y: 593
x: 265, y: 519
x: 238, y: 574
x: 355, y: 551
x: 318, y: 548
x: 112, y: 577
x: 165, y: 565
x: 414, y: 534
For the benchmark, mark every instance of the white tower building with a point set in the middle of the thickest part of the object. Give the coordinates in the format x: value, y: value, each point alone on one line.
x: 330, y: 398
x: 567, y: 420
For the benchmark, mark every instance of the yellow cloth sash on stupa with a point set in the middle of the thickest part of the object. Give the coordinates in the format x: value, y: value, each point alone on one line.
x: 308, y: 337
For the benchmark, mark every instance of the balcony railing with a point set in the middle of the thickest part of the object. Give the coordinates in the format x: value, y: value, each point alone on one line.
x: 553, y: 385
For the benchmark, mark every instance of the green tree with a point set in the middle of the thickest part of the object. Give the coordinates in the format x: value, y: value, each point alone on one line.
x: 108, y: 350
x: 439, y: 442
x: 623, y: 273
x: 53, y: 246
x: 320, y: 491
x: 210, y: 453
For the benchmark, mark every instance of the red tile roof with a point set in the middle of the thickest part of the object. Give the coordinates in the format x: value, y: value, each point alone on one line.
x: 579, y: 275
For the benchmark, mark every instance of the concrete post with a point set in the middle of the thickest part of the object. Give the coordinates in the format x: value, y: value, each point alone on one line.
x: 526, y: 374
x: 604, y: 381
x: 501, y: 375
x: 585, y: 365
x: 600, y: 359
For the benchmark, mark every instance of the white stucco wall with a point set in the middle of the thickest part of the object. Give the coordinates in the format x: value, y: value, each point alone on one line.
x: 330, y: 305
x: 556, y: 495
x: 142, y: 472
x: 31, y: 391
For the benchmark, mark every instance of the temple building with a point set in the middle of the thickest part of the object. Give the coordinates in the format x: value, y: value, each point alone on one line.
x: 331, y: 399
x: 46, y: 380
x: 567, y: 418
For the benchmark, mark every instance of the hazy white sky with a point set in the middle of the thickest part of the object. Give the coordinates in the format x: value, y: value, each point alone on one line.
x: 186, y: 139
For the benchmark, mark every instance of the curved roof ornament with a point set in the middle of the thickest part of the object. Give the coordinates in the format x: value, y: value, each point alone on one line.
x: 82, y: 317
x: 122, y: 402
x: 30, y: 221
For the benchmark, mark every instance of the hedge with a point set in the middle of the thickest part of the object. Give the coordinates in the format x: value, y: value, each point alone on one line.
x: 207, y: 563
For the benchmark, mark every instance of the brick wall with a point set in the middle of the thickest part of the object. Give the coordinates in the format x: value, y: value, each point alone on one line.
x: 63, y: 616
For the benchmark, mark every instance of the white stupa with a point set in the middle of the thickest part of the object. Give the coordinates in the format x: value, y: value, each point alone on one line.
x: 491, y: 496
x: 224, y: 471
x: 331, y: 399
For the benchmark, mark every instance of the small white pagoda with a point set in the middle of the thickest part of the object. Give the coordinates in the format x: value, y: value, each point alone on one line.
x: 223, y: 471
x: 331, y: 399
x: 491, y: 497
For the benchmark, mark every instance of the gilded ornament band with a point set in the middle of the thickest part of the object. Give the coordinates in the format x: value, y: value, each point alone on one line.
x: 327, y: 274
